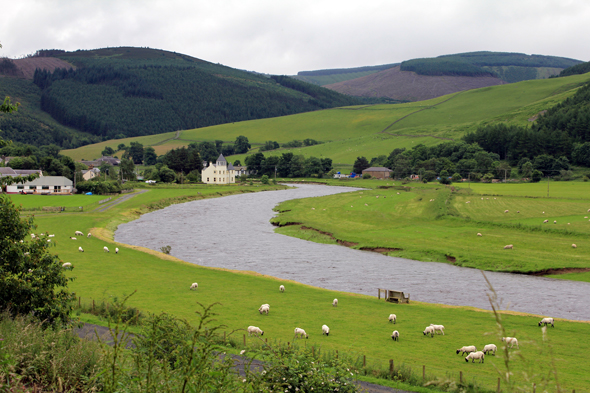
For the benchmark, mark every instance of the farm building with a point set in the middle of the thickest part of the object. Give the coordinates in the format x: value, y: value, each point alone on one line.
x: 378, y: 172
x: 219, y: 173
x: 88, y: 174
x: 46, y: 185
x: 7, y: 171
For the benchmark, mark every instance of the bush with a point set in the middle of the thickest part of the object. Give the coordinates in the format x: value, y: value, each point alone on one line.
x: 536, y: 176
x: 99, y: 187
x: 488, y: 177
x: 429, y: 176
x: 367, y: 176
x: 264, y: 179
x: 456, y: 177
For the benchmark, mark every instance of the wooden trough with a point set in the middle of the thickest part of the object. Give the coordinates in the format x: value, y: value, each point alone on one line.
x: 393, y: 296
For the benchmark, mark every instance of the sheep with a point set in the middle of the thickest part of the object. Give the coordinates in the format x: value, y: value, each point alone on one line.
x: 78, y: 233
x: 194, y: 286
x: 393, y: 318
x: 48, y: 240
x: 106, y: 249
x: 33, y: 235
x: 546, y: 321
x: 73, y: 238
x: 395, y: 335
x: 282, y: 288
x: 479, y: 234
x: 89, y: 234
x: 67, y: 265
x: 574, y: 245
x: 335, y: 302
x: 467, y: 349
x: 116, y: 250
x: 264, y: 309
x: 555, y: 222
x: 490, y: 348
x: 325, y: 330
x: 300, y: 332
x: 545, y: 222
x: 518, y: 211
x: 511, y: 341
x: 438, y: 328
x: 80, y: 249
x: 475, y: 355
x: 468, y: 202
x: 254, y: 330
x: 508, y: 247
x: 52, y: 235
x: 428, y: 330
x: 505, y: 211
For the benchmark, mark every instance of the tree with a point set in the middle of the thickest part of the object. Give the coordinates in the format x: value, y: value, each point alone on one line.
x: 264, y: 179
x: 241, y: 145
x: 128, y: 169
x: 360, y: 164
x: 32, y: 281
x: 149, y: 156
x: 108, y: 151
x: 254, y: 162
x: 237, y: 163
x: 536, y: 176
x: 136, y: 152
x: 167, y: 175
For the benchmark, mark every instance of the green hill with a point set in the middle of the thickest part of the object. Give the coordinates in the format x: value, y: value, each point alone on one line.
x: 329, y: 76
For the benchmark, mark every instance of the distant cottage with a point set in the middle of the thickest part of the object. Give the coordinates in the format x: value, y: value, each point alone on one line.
x: 219, y: 173
x: 378, y: 172
x: 46, y: 185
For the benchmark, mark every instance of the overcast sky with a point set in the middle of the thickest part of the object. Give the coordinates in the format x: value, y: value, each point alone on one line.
x: 285, y: 36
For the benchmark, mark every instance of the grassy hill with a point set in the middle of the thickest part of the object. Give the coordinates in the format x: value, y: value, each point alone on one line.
x: 374, y: 130
x: 330, y: 76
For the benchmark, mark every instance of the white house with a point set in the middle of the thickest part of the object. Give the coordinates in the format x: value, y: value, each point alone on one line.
x: 219, y: 173
x: 88, y: 174
x: 46, y: 185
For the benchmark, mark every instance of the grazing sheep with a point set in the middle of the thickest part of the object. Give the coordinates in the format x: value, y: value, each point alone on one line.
x: 89, y: 234
x: 393, y: 318
x: 254, y: 330
x: 428, y: 330
x: 335, y: 302
x: 467, y: 349
x: 106, y: 249
x: 67, y: 265
x: 80, y: 249
x: 194, y: 286
x: 555, y: 222
x: 116, y: 250
x: 73, y: 238
x: 438, y: 328
x: 325, y: 330
x: 543, y: 212
x: 51, y: 236
x: 545, y: 222
x: 547, y: 321
x: 475, y: 355
x: 518, y: 211
x: 300, y: 332
x: 574, y: 245
x: 282, y: 288
x: 505, y: 211
x: 511, y: 341
x: 490, y: 348
x: 468, y: 202
x: 508, y: 247
x: 78, y: 233
x: 479, y: 234
x: 48, y: 240
x: 264, y: 309
x: 33, y: 235
x: 395, y: 335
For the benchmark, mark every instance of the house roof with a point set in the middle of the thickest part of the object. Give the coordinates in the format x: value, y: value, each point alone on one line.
x: 28, y: 171
x: 50, y: 181
x: 377, y: 169
x: 7, y: 171
x: 230, y: 167
x: 221, y: 158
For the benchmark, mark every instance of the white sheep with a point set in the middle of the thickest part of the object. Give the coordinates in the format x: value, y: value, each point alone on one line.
x: 282, y: 288
x: 335, y: 302
x: 490, y: 348
x: 547, y: 321
x: 325, y: 330
x: 545, y: 222
x: 392, y: 318
x: 505, y: 211
x: 106, y: 249
x: 395, y: 335
x: 479, y: 234
x: 116, y: 250
x: 574, y: 245
x: 511, y: 341
x: 48, y: 240
x: 67, y: 265
x: 254, y: 330
x: 428, y: 330
x: 53, y: 235
x: 89, y: 234
x: 194, y: 286
x: 467, y: 349
x: 78, y: 233
x: 300, y: 333
x: 508, y: 247
x: 265, y: 308
x: 73, y: 238
x: 475, y: 355
x: 32, y: 235
x: 555, y: 222
x: 438, y: 328
x: 80, y: 249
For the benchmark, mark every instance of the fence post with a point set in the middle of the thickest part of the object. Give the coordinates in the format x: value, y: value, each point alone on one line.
x: 498, y: 390
x: 336, y: 354
x: 364, y: 360
x: 391, y: 367
x: 424, y: 373
x: 534, y: 388
x: 378, y: 293
x: 244, y: 340
x: 461, y: 377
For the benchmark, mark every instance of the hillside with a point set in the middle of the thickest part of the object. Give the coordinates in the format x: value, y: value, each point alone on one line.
x: 410, y: 86
x: 25, y: 68
x: 330, y: 76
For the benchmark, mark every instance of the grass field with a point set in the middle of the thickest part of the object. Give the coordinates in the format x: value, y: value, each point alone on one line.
x: 162, y: 284
x: 358, y: 131
x: 31, y: 201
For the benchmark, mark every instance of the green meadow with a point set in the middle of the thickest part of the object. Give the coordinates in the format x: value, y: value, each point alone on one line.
x: 372, y: 130
x: 359, y: 325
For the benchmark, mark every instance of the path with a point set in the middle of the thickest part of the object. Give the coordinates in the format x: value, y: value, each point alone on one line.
x: 122, y: 199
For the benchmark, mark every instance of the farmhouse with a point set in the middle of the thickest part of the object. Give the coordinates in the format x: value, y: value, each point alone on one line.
x: 7, y: 171
x: 46, y: 185
x: 219, y: 173
x: 88, y: 174
x: 378, y: 172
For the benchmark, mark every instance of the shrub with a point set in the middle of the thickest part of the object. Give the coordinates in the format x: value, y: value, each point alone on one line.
x: 536, y: 176
x: 456, y: 177
x: 264, y: 179
x: 367, y: 176
x: 166, y: 249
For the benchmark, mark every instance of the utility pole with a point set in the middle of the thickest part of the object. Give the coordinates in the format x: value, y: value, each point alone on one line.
x: 275, y: 173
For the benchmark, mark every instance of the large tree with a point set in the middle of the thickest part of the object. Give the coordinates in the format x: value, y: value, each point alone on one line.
x: 360, y: 164
x: 241, y: 145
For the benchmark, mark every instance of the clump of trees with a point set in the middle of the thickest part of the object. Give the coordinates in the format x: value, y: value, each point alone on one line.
x: 288, y: 165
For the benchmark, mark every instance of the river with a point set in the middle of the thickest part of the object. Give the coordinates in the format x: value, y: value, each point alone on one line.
x: 234, y: 232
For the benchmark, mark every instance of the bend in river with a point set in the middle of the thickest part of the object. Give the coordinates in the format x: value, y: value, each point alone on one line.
x: 234, y: 232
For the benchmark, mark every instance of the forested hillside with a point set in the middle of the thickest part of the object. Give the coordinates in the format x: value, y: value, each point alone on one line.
x: 122, y: 92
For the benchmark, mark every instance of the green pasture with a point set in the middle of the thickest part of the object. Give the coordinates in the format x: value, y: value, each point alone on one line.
x: 39, y: 201
x: 432, y: 223
x: 358, y: 325
x: 350, y: 132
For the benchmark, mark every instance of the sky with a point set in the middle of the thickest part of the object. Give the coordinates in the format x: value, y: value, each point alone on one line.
x: 285, y: 36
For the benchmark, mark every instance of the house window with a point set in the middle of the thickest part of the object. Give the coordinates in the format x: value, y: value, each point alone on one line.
x: 45, y: 187
x: 214, y: 171
x: 214, y: 179
x: 20, y: 187
x: 207, y: 179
